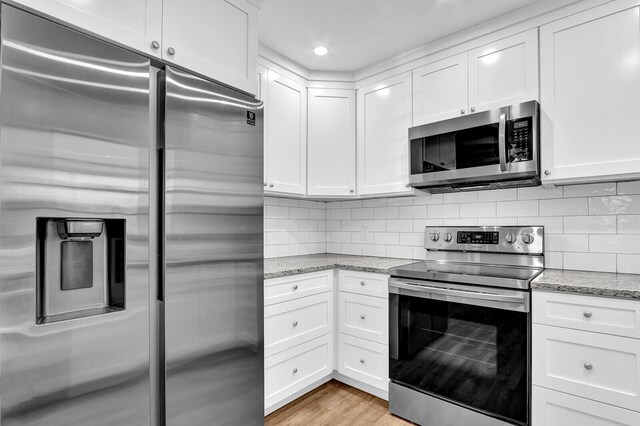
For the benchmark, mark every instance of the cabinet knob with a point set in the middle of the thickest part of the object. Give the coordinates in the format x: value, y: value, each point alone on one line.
x: 171, y: 51
x: 270, y: 185
x: 352, y: 190
x: 407, y: 185
x: 361, y: 360
x: 362, y: 283
x: 587, y: 314
x: 462, y: 112
x: 295, y: 286
x: 363, y: 316
x: 295, y: 323
x: 295, y: 370
x: 155, y: 44
x: 588, y: 366
x: 547, y: 172
x: 264, y: 184
x: 473, y: 109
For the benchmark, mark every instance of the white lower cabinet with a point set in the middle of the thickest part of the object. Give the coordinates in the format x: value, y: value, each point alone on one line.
x: 585, y: 360
x: 552, y: 408
x: 364, y: 360
x: 363, y: 316
x: 294, y: 369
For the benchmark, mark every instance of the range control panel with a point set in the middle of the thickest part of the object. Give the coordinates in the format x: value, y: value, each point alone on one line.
x: 492, y: 239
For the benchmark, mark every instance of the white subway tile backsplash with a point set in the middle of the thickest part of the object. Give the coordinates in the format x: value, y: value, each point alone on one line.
x: 423, y: 198
x: 413, y: 212
x: 552, y: 225
x: 386, y: 213
x: 590, y: 224
x: 333, y: 247
x: 627, y: 244
x: 288, y: 202
x: 517, y: 208
x: 443, y: 211
x: 420, y: 224
x: 270, y: 201
x: 620, y: 204
x: 289, y: 225
x: 412, y: 239
x: 590, y: 190
x: 310, y: 204
x: 478, y: 210
x: 401, y: 252
x: 339, y: 214
x: 564, y: 207
x: 387, y: 238
x: 419, y: 253
x: 497, y: 221
x: 354, y: 249
x: 498, y: 195
x: 334, y: 225
x: 376, y: 202
x: 404, y: 225
x: 461, y: 197
x: 276, y: 212
x: 373, y: 250
x: 317, y: 214
x: 362, y: 213
x: 469, y: 221
x: 628, y: 224
x: 564, y: 242
x: 340, y: 237
x: 626, y: 188
x: 400, y: 201
x: 539, y: 193
x: 590, y: 262
x: 351, y: 225
x: 375, y: 225
x: 289, y: 250
x: 271, y: 225
x: 629, y: 264
x: 553, y: 259
x: 351, y: 204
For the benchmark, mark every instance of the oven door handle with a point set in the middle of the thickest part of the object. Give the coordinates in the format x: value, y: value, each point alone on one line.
x: 515, y: 302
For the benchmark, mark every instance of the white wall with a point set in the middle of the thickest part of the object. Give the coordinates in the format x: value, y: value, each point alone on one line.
x: 593, y: 227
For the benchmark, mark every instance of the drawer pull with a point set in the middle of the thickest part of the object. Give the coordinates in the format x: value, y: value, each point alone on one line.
x: 295, y: 286
x: 362, y: 283
x: 295, y: 370
x: 295, y: 323
x: 361, y: 360
x: 363, y: 316
x: 588, y: 366
x: 587, y: 314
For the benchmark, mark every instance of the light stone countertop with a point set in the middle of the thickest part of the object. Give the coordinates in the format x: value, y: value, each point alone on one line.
x: 589, y: 283
x: 293, y: 265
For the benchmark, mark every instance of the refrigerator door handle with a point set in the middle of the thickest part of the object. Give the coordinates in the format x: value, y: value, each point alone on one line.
x: 160, y: 119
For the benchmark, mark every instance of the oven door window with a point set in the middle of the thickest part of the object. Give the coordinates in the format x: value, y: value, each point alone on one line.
x: 471, y: 355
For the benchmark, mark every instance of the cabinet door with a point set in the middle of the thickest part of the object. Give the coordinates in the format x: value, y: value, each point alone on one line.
x: 440, y: 90
x: 332, y: 142
x: 133, y: 23
x: 285, y: 135
x: 504, y: 73
x: 590, y: 95
x: 216, y: 38
x: 384, y: 118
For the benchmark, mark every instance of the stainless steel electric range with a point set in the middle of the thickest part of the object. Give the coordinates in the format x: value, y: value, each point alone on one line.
x: 460, y: 327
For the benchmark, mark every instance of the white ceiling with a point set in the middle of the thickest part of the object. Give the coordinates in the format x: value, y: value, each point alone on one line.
x: 359, y: 33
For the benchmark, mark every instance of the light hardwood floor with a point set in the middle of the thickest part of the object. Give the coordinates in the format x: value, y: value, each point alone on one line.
x: 335, y: 403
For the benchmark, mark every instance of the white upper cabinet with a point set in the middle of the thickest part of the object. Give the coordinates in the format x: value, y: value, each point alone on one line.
x: 134, y: 23
x: 590, y: 95
x: 384, y: 118
x: 285, y: 108
x: 492, y: 76
x: 331, y: 142
x: 504, y: 73
x: 216, y: 38
x: 440, y: 90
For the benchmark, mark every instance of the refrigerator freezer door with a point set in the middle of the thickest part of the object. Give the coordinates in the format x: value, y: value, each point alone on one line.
x: 74, y: 143
x: 213, y: 254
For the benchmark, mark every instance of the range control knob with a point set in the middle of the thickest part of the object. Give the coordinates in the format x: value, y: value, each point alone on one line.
x: 527, y: 238
x: 510, y: 238
x: 434, y: 237
x: 448, y: 237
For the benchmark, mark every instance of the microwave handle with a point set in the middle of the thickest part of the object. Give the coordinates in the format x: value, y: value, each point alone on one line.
x: 502, y: 143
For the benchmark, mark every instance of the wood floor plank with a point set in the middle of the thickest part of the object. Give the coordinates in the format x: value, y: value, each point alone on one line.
x: 335, y: 403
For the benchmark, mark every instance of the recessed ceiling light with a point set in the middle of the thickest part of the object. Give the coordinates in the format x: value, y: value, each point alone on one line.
x: 320, y: 50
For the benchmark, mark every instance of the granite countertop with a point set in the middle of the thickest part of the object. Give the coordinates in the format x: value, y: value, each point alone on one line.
x: 589, y: 283
x: 284, y: 266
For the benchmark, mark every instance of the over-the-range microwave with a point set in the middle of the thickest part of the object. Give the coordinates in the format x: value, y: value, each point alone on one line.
x: 486, y: 150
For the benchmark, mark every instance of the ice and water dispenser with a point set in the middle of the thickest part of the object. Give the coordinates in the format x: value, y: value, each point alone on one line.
x: 80, y: 267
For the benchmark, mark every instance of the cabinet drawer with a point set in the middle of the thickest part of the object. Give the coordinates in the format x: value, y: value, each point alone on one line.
x: 364, y: 316
x: 591, y: 365
x: 551, y: 408
x: 589, y: 313
x: 364, y: 283
x: 364, y: 360
x: 278, y: 290
x: 290, y: 371
x: 290, y: 323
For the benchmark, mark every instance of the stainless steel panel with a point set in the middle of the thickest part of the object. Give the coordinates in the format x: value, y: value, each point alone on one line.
x: 536, y: 247
x: 426, y: 410
x: 74, y: 142
x: 213, y: 254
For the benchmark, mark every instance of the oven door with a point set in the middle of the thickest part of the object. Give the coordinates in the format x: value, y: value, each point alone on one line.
x: 465, y: 344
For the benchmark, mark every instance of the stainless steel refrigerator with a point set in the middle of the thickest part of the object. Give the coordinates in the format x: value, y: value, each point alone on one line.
x: 131, y: 251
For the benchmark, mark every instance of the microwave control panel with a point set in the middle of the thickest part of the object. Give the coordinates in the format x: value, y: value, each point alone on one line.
x: 520, y: 140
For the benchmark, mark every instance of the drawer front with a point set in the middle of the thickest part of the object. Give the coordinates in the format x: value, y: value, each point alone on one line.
x: 364, y: 316
x: 363, y: 360
x: 279, y: 290
x: 364, y: 283
x: 290, y: 371
x: 603, y: 315
x: 552, y: 408
x: 591, y: 365
x: 290, y: 323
